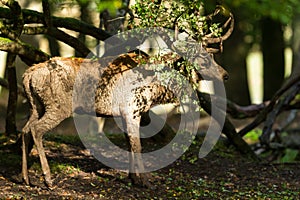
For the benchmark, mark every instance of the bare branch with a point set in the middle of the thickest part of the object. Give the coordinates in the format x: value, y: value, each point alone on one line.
x: 228, y: 129
x: 263, y: 114
x: 59, y: 35
x: 27, y: 53
x: 34, y: 17
x: 70, y: 40
x: 11, y: 34
x: 284, y: 100
x: 240, y: 112
x: 17, y: 15
x: 34, y: 30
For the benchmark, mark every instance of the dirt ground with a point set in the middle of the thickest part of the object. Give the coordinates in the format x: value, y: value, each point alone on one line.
x: 223, y: 174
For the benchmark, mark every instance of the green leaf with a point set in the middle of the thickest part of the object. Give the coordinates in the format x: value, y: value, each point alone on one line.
x: 290, y: 155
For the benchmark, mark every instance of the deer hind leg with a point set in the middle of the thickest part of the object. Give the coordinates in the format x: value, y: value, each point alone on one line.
x: 24, y: 157
x: 136, y: 165
x: 50, y: 119
x: 25, y: 142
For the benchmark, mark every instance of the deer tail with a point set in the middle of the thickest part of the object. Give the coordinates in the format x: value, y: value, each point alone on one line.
x: 27, y: 76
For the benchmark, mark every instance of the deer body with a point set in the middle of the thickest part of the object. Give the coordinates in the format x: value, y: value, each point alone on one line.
x: 50, y: 88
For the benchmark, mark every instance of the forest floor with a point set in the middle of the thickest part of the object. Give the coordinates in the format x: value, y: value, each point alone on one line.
x: 223, y: 174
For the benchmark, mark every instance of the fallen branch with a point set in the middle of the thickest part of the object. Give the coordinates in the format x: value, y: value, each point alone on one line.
x: 228, y: 128
x: 284, y: 100
x: 263, y: 114
x: 241, y: 112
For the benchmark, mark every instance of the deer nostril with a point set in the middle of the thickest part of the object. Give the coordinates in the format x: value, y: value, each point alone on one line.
x: 225, y: 77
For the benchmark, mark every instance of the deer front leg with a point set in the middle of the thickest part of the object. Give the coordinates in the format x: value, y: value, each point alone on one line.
x: 136, y: 165
x: 137, y: 170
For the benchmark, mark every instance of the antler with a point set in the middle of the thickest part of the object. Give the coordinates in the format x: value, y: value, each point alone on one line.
x: 209, y: 39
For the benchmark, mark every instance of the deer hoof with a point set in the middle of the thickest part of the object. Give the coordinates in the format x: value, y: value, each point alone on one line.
x: 26, y: 180
x: 48, y: 183
x: 142, y: 180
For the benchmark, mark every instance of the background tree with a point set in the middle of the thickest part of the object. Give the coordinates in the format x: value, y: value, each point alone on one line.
x: 86, y: 17
x: 14, y: 34
x: 295, y: 43
x: 272, y: 45
x: 262, y: 23
x: 233, y: 59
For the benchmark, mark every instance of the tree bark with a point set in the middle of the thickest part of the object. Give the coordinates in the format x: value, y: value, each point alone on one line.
x: 85, y: 17
x: 296, y: 46
x: 10, y: 126
x: 233, y: 59
x: 273, y: 56
x: 15, y: 32
x: 27, y: 53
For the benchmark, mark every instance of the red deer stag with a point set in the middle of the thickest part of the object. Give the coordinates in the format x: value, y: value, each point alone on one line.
x: 49, y: 88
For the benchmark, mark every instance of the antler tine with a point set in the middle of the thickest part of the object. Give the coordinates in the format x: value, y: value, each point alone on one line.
x: 213, y: 50
x: 230, y: 30
x: 209, y: 39
x: 217, y: 11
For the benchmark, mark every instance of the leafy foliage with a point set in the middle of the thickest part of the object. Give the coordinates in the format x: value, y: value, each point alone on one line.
x: 281, y: 10
x: 181, y: 16
x: 186, y: 15
x: 109, y: 5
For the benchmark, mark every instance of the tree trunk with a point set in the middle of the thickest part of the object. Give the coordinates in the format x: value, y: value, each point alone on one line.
x: 10, y: 127
x: 233, y: 59
x: 272, y: 45
x: 85, y: 17
x: 296, y: 46
x: 53, y: 46
x: 17, y: 28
